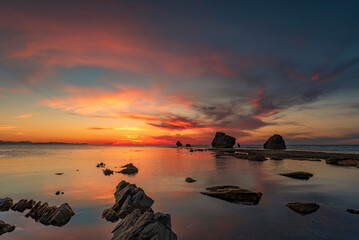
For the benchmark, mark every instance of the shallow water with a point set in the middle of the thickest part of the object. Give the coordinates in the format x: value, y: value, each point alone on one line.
x: 28, y: 172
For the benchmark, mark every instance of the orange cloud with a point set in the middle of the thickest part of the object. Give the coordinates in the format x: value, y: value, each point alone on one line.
x: 28, y: 115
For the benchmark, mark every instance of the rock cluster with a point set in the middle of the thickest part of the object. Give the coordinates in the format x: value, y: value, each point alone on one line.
x: 101, y: 165
x: 179, y: 144
x: 5, y: 227
x: 234, y: 194
x: 298, y: 175
x: 5, y: 204
x: 275, y: 142
x: 129, y: 169
x: 128, y: 197
x: 23, y: 204
x: 303, y: 208
x: 188, y: 145
x: 221, y: 140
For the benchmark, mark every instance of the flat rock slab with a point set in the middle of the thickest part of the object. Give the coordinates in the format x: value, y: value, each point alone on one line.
x: 5, y: 227
x: 129, y: 169
x: 5, y: 204
x: 275, y: 142
x: 303, y: 208
x: 353, y: 211
x: 23, y: 204
x: 147, y: 225
x: 298, y: 175
x: 234, y: 194
x: 256, y: 157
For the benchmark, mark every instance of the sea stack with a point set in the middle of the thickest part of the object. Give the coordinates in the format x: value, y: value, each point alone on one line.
x: 275, y: 142
x: 221, y: 140
x: 179, y: 144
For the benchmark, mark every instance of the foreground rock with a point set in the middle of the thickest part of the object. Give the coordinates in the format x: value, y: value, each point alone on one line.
x: 298, y: 175
x: 190, y: 180
x: 51, y: 215
x: 179, y: 144
x: 23, y: 204
x: 234, y: 194
x: 353, y: 211
x: 275, y: 142
x: 5, y: 227
x: 221, y: 140
x: 5, y: 204
x: 129, y: 169
x: 147, y: 225
x: 128, y: 197
x: 303, y: 208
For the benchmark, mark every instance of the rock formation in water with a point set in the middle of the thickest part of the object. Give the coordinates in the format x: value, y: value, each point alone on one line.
x: 128, y: 197
x: 179, y: 144
x: 101, y: 165
x: 234, y: 194
x: 303, y: 208
x: 190, y: 180
x: 347, y: 162
x: 353, y: 211
x: 256, y: 157
x: 147, y: 225
x: 23, y: 204
x: 275, y: 142
x: 298, y: 175
x: 188, y: 145
x: 5, y: 227
x: 129, y: 169
x: 5, y: 204
x: 107, y: 172
x: 221, y: 140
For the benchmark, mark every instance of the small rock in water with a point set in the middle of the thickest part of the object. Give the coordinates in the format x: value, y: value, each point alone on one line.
x: 353, y: 211
x: 188, y: 145
x: 298, y: 175
x: 60, y: 173
x: 62, y: 192
x: 179, y: 144
x: 129, y: 169
x: 101, y: 165
x: 303, y: 208
x: 256, y: 157
x: 5, y: 227
x: 23, y: 204
x: 5, y: 204
x: 190, y: 180
x: 191, y: 150
x: 107, y: 172
x: 57, y: 193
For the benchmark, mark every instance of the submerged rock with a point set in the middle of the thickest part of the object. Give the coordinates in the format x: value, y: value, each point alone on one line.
x: 51, y: 215
x: 353, y: 211
x: 275, y: 142
x: 190, y: 180
x: 303, y: 208
x: 256, y: 157
x: 101, y: 165
x: 5, y: 204
x: 343, y: 162
x: 59, y: 173
x: 5, y: 227
x: 188, y: 145
x: 221, y: 140
x: 129, y: 169
x: 298, y: 175
x: 107, y: 172
x: 23, y: 204
x: 128, y: 197
x: 147, y: 225
x: 234, y: 194
x: 179, y: 144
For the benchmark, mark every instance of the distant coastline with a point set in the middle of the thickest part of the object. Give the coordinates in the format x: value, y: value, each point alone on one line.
x: 38, y: 143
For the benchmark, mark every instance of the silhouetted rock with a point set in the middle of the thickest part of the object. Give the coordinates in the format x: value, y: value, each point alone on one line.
x: 59, y: 173
x: 221, y: 140
x: 5, y: 204
x: 147, y: 225
x: 51, y: 215
x: 57, y: 193
x: 190, y: 180
x: 275, y: 142
x: 107, y: 172
x: 234, y: 194
x: 353, y: 211
x: 303, y: 208
x: 276, y: 158
x: 191, y: 150
x: 128, y: 197
x: 188, y: 145
x: 179, y: 144
x: 129, y: 169
x: 5, y: 227
x: 298, y: 175
x: 23, y: 204
x: 101, y: 165
x: 256, y: 157
x: 238, y: 145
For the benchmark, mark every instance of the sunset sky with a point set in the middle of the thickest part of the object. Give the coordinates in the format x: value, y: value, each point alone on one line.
x: 131, y: 72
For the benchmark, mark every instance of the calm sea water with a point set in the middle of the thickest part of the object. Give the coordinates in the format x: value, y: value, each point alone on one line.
x: 28, y: 172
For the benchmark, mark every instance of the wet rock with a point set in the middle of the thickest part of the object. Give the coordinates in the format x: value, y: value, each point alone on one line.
x: 190, y: 180
x: 275, y: 142
x: 101, y: 165
x: 59, y: 173
x: 298, y: 175
x: 129, y: 169
x: 128, y: 197
x: 256, y: 157
x: 148, y: 225
x: 303, y: 208
x: 5, y: 204
x: 51, y: 215
x: 179, y: 144
x: 188, y: 145
x: 234, y: 194
x: 5, y: 227
x: 107, y: 172
x: 353, y: 211
x: 342, y: 162
x: 57, y: 193
x: 221, y: 140
x: 23, y: 204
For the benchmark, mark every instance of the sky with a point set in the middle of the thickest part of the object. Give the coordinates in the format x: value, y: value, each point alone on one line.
x: 141, y: 72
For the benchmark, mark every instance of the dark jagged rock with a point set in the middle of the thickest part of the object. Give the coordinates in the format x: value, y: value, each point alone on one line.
x: 221, y: 140
x: 303, y: 208
x: 353, y: 211
x: 188, y: 145
x: 179, y: 144
x: 107, y: 172
x: 256, y: 157
x: 5, y: 204
x: 128, y: 198
x: 51, y: 215
x: 23, y: 204
x: 147, y: 225
x: 5, y: 227
x: 275, y: 142
x: 129, y: 169
x: 190, y: 180
x: 101, y: 165
x: 234, y: 194
x: 298, y: 175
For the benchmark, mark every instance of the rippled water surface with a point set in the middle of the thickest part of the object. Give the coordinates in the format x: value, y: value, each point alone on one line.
x: 28, y: 172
